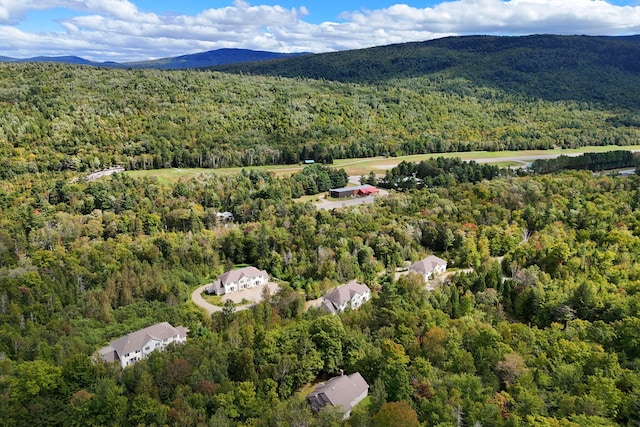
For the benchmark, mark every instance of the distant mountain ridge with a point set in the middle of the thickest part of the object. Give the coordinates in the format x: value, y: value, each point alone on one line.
x: 597, y: 69
x: 602, y: 70
x: 195, y: 60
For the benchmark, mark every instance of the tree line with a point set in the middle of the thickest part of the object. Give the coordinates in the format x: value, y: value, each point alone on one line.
x: 438, y: 172
x: 588, y: 161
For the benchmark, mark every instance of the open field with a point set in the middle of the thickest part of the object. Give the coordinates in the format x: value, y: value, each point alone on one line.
x: 357, y: 167
x: 172, y: 174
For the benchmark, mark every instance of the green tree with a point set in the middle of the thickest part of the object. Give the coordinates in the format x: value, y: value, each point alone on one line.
x: 327, y: 333
x: 392, y: 414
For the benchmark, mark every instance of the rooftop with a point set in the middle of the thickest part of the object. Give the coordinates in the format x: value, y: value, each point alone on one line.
x: 428, y: 264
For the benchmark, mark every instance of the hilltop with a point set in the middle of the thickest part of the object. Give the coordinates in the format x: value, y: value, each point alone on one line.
x: 603, y: 70
x: 192, y: 60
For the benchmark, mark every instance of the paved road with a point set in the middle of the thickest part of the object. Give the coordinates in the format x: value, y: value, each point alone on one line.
x: 197, y: 299
x: 254, y: 295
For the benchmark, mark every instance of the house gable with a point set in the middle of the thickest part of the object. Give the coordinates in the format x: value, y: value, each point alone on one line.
x: 139, y: 344
x: 429, y: 267
x: 235, y: 280
x: 344, y: 392
x: 352, y: 294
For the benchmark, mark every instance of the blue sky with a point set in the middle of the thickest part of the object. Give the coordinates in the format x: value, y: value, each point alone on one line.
x: 128, y: 30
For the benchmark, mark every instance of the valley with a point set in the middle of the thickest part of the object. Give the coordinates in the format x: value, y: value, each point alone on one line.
x: 534, y: 321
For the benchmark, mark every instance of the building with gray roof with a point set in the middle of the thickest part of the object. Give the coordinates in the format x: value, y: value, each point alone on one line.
x: 236, y: 280
x: 355, y: 191
x: 343, y: 392
x: 352, y: 294
x: 429, y: 267
x: 137, y: 345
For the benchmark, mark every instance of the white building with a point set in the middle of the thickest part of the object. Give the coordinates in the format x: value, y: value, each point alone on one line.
x: 128, y: 349
x: 352, y: 294
x: 429, y: 267
x: 236, y: 280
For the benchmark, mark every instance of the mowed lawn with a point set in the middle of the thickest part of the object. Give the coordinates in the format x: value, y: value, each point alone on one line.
x: 379, y: 165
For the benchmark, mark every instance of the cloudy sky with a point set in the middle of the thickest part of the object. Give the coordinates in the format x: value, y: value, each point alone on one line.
x: 127, y: 30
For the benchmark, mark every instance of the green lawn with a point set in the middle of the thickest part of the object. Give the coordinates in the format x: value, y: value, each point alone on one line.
x: 363, y: 166
x: 213, y: 299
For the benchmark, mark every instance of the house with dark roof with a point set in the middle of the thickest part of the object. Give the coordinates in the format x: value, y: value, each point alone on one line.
x: 429, y: 267
x: 137, y: 345
x: 356, y: 191
x: 236, y: 280
x: 343, y: 392
x: 352, y: 294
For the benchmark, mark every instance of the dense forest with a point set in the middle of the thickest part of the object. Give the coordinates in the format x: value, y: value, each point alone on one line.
x: 539, y: 328
x: 58, y: 117
x: 439, y: 172
x: 599, y: 70
x: 588, y: 161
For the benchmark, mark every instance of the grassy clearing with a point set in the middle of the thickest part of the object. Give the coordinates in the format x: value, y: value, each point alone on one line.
x: 312, y: 198
x: 509, y: 164
x: 213, y: 299
x: 379, y: 165
x: 173, y: 174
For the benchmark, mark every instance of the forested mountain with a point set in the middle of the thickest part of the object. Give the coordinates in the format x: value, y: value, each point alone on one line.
x: 604, y: 70
x: 63, y: 117
x: 208, y: 59
x: 194, y: 60
x: 63, y: 59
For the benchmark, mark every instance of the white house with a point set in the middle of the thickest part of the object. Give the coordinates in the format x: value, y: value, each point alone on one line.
x: 235, y: 280
x: 224, y: 217
x: 128, y: 349
x: 352, y: 294
x: 345, y: 392
x: 429, y: 267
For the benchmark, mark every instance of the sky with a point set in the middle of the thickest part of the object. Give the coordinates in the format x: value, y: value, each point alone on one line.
x: 133, y: 30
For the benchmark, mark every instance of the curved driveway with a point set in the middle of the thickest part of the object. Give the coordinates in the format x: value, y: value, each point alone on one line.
x: 197, y: 299
x: 254, y: 295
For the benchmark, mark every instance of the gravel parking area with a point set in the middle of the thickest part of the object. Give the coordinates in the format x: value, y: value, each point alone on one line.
x: 253, y: 295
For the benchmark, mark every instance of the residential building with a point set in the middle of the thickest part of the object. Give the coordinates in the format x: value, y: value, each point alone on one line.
x: 352, y: 294
x: 224, y: 217
x: 139, y: 344
x: 429, y: 267
x: 236, y: 280
x: 343, y: 392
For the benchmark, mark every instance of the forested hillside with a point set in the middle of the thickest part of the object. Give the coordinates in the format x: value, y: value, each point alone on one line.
x: 602, y: 70
x: 536, y: 324
x: 57, y: 117
x: 544, y: 328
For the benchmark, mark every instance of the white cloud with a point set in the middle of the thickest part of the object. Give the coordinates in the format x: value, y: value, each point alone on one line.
x: 118, y: 30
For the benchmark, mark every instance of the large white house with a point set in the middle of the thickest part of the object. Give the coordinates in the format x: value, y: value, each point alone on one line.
x: 128, y: 349
x: 235, y: 280
x: 352, y: 294
x: 429, y: 267
x: 344, y: 392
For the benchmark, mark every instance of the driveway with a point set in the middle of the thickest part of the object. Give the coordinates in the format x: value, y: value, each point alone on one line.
x: 253, y: 295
